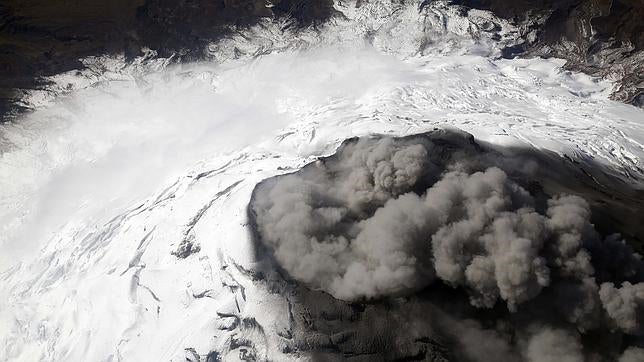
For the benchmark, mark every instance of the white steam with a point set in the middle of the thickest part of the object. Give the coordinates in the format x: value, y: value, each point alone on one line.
x: 130, y: 137
x: 383, y: 67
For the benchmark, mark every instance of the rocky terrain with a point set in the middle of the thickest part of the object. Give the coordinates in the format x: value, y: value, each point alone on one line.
x: 604, y: 38
x: 41, y: 38
x: 171, y: 172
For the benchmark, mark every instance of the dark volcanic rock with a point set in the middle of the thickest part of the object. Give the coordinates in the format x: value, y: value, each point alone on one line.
x: 39, y: 38
x: 604, y: 38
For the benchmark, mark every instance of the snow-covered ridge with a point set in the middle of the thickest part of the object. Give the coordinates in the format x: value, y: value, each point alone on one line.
x: 405, y: 29
x: 120, y: 163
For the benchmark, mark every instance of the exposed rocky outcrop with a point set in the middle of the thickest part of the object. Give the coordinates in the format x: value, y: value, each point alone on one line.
x: 604, y: 38
x: 40, y: 38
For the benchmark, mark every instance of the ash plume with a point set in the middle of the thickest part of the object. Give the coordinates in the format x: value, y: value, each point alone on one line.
x: 385, y: 217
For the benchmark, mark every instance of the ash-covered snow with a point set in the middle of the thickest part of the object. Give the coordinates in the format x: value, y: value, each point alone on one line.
x: 122, y: 167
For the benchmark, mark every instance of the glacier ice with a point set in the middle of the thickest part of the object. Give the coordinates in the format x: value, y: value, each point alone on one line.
x: 121, y: 163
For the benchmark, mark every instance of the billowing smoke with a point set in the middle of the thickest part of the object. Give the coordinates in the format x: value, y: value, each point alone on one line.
x: 554, y: 345
x: 624, y: 305
x: 386, y: 217
x: 355, y: 229
x: 632, y: 354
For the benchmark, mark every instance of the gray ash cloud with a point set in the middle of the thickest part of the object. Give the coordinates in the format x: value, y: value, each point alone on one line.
x: 387, y: 217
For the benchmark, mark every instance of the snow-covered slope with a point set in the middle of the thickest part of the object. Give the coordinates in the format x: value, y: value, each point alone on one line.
x: 123, y: 197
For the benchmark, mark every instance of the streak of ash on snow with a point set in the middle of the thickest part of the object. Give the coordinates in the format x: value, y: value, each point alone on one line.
x: 123, y: 196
